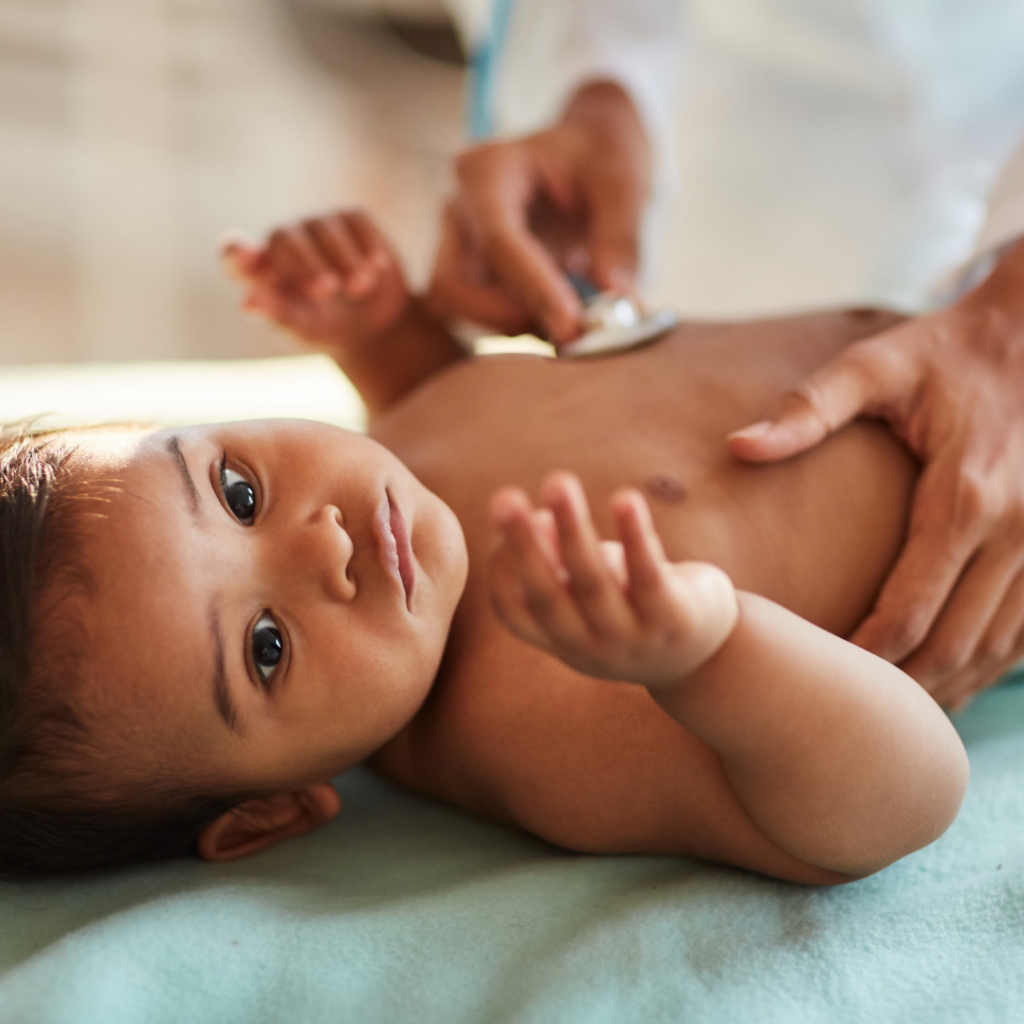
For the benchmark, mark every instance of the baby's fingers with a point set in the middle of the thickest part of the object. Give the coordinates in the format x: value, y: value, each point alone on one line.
x: 532, y: 560
x: 509, y: 600
x: 294, y: 255
x: 335, y: 236
x: 596, y: 588
x: 267, y: 301
x: 240, y: 259
x: 645, y: 556
x: 692, y: 605
x: 374, y: 245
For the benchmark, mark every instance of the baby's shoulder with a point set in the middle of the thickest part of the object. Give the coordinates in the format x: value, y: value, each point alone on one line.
x: 514, y: 735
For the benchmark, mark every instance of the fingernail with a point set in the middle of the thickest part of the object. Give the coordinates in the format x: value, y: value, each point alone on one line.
x: 753, y: 432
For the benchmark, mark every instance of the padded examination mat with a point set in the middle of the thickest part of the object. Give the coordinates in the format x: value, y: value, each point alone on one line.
x: 406, y: 910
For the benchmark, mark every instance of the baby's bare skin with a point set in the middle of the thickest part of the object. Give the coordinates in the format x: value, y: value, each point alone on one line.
x: 505, y: 720
x: 780, y: 748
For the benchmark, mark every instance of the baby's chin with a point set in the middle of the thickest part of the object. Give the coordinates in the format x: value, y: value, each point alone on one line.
x: 442, y: 546
x: 400, y: 714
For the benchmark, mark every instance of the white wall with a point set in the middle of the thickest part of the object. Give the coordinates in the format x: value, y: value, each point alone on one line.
x: 817, y: 140
x: 133, y: 132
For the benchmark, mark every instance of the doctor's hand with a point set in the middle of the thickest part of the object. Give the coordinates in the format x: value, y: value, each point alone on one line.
x: 528, y: 209
x: 951, y: 384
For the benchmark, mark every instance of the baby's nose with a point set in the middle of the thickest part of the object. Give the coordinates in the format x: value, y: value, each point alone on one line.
x: 327, y: 551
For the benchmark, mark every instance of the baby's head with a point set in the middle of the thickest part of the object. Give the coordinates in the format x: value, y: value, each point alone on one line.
x: 205, y: 621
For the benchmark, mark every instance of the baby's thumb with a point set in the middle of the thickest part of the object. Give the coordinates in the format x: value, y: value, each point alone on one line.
x: 713, y: 604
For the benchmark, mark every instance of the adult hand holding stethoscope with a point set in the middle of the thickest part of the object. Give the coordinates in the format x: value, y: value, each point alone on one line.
x: 951, y: 383
x: 529, y: 209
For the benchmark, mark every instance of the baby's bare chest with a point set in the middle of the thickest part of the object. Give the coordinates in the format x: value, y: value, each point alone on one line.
x: 816, y: 534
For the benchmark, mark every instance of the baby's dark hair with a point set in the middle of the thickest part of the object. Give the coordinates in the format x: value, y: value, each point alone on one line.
x: 56, y: 813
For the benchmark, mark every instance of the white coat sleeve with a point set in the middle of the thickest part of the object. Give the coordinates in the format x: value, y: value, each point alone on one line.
x: 1004, y: 219
x: 1003, y: 224
x: 552, y: 47
x: 549, y: 48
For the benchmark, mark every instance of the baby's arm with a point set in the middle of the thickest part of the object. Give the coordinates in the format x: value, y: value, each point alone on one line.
x: 839, y: 758
x: 335, y: 283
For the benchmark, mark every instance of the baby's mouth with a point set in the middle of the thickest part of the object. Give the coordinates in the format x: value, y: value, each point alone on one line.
x: 397, y: 549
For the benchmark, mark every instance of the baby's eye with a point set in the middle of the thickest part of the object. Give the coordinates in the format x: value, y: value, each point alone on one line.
x: 267, y: 647
x: 239, y: 495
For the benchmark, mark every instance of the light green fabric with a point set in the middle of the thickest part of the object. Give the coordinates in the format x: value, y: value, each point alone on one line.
x: 405, y: 910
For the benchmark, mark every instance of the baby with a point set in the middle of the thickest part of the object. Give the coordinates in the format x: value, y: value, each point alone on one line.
x: 541, y: 590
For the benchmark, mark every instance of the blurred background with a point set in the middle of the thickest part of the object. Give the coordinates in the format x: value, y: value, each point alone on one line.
x: 134, y: 132
x: 814, y: 167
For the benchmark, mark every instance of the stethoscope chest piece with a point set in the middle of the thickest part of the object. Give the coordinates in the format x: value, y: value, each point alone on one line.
x: 614, y: 323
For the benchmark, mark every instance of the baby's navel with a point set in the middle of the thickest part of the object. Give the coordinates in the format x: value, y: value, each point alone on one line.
x: 665, y: 488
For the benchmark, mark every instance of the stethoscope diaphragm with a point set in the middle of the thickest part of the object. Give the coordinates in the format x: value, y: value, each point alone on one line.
x: 614, y: 322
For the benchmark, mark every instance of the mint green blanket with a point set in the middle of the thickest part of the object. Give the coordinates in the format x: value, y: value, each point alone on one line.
x: 405, y: 910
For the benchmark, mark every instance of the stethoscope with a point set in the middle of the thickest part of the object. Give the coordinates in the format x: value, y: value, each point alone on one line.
x: 614, y: 322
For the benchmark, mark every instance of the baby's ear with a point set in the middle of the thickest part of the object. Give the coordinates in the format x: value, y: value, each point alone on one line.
x: 257, y: 824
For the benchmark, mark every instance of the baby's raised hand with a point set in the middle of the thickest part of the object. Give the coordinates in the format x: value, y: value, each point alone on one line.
x: 613, y: 609
x: 332, y: 280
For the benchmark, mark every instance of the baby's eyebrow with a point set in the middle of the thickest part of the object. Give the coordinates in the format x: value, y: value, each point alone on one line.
x: 221, y: 692
x: 173, y: 446
x: 222, y: 699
